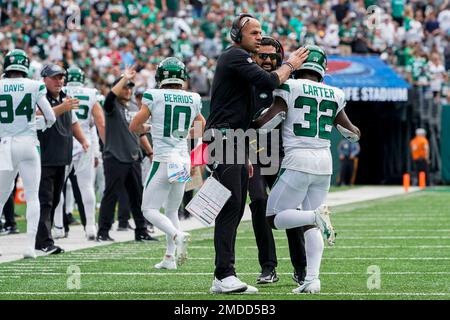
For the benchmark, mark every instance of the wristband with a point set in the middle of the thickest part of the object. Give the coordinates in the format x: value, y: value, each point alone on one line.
x: 290, y: 66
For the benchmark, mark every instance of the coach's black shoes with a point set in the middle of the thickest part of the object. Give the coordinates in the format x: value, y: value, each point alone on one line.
x: 52, y: 249
x: 299, y: 276
x: 144, y: 237
x: 267, y: 276
x: 104, y: 237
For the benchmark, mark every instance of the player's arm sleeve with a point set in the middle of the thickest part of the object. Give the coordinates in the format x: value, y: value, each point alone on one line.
x: 95, y: 143
x: 341, y: 101
x: 148, y: 99
x: 242, y: 63
x: 284, y: 92
x: 109, y: 102
x: 46, y: 110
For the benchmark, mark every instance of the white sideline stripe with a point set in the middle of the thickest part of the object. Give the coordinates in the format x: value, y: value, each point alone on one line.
x: 444, y: 294
x: 82, y: 260
x: 365, y: 237
x: 384, y: 218
x: 162, y: 274
x: 339, y: 247
x: 393, y: 230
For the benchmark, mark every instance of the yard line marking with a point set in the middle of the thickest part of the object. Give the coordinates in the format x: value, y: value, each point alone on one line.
x: 393, y: 230
x: 365, y: 237
x: 344, y: 247
x: 84, y: 260
x: 170, y: 293
x: 162, y: 274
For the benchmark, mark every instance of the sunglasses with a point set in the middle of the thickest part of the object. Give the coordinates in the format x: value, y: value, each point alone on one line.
x: 272, y: 56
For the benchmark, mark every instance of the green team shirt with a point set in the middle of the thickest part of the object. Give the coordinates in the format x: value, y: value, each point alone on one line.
x: 398, y: 8
x: 171, y: 4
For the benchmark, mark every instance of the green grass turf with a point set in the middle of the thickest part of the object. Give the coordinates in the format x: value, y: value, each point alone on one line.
x: 406, y: 237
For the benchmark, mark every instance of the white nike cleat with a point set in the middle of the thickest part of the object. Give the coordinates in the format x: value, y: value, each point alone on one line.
x: 29, y: 253
x: 309, y: 286
x: 324, y: 223
x: 167, y: 263
x: 230, y: 284
x: 58, y: 233
x: 251, y: 290
x: 91, y: 233
x: 182, y: 240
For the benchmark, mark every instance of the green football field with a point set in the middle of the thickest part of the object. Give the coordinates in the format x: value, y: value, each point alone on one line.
x: 406, y: 239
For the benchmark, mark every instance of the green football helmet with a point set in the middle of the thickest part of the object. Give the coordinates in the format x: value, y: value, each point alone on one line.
x: 171, y: 71
x: 316, y: 61
x: 16, y: 60
x: 75, y: 74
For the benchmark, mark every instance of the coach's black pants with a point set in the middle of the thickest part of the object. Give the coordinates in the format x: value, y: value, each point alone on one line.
x: 50, y: 187
x: 8, y: 209
x: 120, y: 176
x: 235, y: 178
x: 267, y: 255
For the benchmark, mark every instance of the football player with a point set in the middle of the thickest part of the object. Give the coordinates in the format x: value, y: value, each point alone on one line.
x: 82, y: 171
x: 19, y: 146
x: 304, y: 180
x: 173, y: 112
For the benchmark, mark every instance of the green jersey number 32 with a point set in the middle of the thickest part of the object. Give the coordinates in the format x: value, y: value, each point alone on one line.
x: 310, y: 125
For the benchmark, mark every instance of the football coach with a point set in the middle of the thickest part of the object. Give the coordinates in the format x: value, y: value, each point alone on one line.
x: 232, y: 108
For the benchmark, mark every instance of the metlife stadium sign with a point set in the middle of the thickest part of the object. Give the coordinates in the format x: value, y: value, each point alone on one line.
x: 366, y: 78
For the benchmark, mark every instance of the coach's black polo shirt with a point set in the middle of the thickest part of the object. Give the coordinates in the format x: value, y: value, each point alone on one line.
x: 232, y: 95
x: 57, y: 141
x: 121, y: 143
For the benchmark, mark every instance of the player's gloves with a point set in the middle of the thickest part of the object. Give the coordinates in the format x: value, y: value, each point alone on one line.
x: 347, y: 134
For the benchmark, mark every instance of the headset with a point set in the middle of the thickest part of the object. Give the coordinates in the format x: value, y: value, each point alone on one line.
x: 236, y: 29
x: 266, y: 40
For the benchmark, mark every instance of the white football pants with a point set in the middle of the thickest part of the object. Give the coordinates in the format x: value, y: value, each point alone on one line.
x: 84, y: 174
x: 159, y: 193
x: 26, y: 160
x: 292, y: 200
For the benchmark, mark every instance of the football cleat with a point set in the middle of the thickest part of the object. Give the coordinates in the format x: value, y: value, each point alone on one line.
x: 181, y: 240
x: 323, y: 222
x: 91, y: 232
x: 167, y: 263
x: 230, y: 284
x: 29, y: 253
x: 309, y: 286
x: 58, y: 233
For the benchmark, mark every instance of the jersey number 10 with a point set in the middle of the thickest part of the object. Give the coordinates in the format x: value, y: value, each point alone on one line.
x: 7, y: 110
x: 172, y: 121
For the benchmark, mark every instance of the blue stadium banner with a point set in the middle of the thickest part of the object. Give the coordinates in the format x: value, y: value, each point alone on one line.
x: 366, y: 78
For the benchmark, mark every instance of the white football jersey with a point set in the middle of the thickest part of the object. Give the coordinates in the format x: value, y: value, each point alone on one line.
x: 173, y: 112
x: 18, y: 99
x: 87, y: 97
x: 306, y: 132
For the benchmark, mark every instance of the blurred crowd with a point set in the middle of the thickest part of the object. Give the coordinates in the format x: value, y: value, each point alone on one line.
x: 102, y: 37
